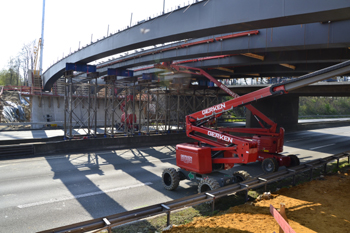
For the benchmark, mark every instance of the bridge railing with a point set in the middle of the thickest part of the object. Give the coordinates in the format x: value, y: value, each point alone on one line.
x: 31, y: 90
x: 323, y: 116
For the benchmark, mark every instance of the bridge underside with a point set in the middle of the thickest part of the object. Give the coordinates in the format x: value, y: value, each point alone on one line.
x: 287, y: 39
x: 206, y: 18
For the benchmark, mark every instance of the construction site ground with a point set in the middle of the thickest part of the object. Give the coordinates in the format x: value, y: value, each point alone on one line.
x: 321, y: 205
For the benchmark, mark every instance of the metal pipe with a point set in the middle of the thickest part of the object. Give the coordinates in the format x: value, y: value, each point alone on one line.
x: 89, y: 108
x: 65, y: 108
x: 113, y: 110
x: 166, y: 110
x: 106, y: 87
x: 148, y: 100
x: 126, y: 112
x: 95, y: 107
x: 140, y: 112
x: 42, y: 41
x: 169, y: 112
x: 194, y: 101
x: 131, y: 19
x: 217, y: 102
x: 178, y: 111
x: 133, y: 110
x: 157, y: 115
x: 70, y: 106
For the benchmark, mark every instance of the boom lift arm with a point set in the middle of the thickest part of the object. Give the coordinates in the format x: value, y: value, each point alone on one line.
x: 245, y: 100
x: 211, y: 112
x: 221, y: 150
x: 245, y: 150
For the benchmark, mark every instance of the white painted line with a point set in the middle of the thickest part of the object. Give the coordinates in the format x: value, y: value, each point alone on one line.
x: 81, y: 195
x: 158, y: 160
x: 321, y: 146
x: 299, y: 139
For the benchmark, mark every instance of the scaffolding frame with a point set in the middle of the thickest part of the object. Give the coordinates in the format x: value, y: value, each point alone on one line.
x: 158, y: 109
x: 80, y: 106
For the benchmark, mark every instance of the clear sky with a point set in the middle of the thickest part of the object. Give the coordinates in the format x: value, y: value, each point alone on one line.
x: 68, y: 22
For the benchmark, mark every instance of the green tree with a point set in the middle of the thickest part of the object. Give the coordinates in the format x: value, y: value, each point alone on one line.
x: 11, y: 76
x: 324, y: 106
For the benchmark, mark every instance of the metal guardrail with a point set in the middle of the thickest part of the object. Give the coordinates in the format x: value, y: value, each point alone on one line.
x: 323, y: 116
x: 17, y: 150
x: 41, y: 123
x: 300, y: 117
x: 118, y: 219
x: 223, y: 119
x: 30, y: 123
x: 21, y: 89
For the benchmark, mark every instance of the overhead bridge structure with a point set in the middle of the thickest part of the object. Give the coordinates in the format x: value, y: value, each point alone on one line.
x: 297, y: 44
x: 229, y: 39
x: 206, y: 18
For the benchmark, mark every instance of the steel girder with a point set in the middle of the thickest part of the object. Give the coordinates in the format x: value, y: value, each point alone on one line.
x: 296, y: 58
x: 203, y: 19
x: 294, y: 38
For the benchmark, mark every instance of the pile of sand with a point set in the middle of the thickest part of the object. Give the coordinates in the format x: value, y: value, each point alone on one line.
x: 318, y: 206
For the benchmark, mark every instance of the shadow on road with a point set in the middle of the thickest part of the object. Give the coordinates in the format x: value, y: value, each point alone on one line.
x: 80, y: 186
x: 73, y: 172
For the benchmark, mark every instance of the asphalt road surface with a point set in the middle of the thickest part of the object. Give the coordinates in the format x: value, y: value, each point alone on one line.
x: 47, y: 192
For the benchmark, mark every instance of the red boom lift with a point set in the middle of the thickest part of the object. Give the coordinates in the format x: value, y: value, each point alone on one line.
x: 219, y: 150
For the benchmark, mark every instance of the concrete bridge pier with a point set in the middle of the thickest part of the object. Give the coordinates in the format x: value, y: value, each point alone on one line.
x: 281, y: 109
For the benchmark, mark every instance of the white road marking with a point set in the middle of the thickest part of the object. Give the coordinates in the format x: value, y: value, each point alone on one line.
x: 321, y: 146
x: 81, y: 195
x: 157, y: 160
x: 299, y: 139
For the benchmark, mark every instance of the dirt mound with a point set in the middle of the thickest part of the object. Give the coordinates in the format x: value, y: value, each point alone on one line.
x: 318, y: 206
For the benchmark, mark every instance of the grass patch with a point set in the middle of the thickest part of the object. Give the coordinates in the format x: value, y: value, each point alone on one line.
x: 157, y: 224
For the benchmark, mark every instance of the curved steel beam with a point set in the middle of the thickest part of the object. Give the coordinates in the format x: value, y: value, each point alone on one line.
x: 203, y: 19
x: 288, y: 38
x: 273, y: 70
x: 294, y: 58
x: 282, y: 57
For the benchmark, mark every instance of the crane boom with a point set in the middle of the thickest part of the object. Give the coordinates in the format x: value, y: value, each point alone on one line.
x: 36, y: 55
